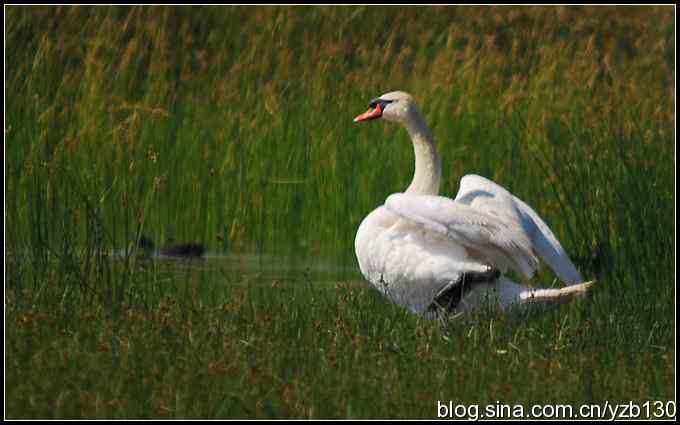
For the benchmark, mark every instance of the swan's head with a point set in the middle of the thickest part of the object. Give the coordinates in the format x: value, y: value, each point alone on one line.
x: 396, y: 106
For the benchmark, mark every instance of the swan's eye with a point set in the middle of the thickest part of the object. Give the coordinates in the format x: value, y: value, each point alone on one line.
x: 382, y: 102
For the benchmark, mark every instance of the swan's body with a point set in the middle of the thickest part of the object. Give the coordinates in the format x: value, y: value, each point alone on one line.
x: 430, y: 253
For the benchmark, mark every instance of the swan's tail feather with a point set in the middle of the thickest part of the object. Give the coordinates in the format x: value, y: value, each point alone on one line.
x: 506, y: 295
x: 557, y: 294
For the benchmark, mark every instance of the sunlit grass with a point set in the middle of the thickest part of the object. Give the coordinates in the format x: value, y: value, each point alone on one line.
x: 233, y: 126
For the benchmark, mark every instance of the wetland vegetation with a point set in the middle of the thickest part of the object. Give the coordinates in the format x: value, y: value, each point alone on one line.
x: 232, y: 127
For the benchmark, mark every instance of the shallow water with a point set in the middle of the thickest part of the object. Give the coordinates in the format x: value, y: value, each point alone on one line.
x: 259, y: 269
x: 230, y: 269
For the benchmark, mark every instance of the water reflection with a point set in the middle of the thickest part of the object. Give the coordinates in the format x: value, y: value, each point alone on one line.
x: 250, y: 268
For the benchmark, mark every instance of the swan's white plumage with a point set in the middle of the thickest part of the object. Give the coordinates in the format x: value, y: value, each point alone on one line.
x: 500, y: 238
x: 418, y: 245
x: 492, y: 198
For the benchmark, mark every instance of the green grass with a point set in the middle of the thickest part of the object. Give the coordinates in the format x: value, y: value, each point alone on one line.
x: 233, y: 126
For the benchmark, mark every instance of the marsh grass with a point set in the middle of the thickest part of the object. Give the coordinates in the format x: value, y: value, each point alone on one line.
x: 232, y: 126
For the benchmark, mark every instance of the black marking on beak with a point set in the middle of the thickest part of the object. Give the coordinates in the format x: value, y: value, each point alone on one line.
x: 382, y: 102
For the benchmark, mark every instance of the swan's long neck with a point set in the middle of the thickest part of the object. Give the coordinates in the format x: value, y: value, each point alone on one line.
x: 427, y: 175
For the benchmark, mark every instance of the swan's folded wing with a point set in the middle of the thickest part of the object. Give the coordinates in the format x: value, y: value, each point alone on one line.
x: 547, y: 246
x: 505, y: 246
x: 479, y: 190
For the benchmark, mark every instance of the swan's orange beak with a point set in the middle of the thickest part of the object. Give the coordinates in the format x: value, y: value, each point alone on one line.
x: 371, y: 114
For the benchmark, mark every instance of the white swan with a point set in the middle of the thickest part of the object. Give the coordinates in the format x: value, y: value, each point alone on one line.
x: 432, y: 254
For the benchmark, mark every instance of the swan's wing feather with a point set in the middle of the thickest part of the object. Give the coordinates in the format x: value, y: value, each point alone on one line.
x: 482, y: 192
x: 505, y: 246
x: 473, y: 187
x: 548, y: 247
